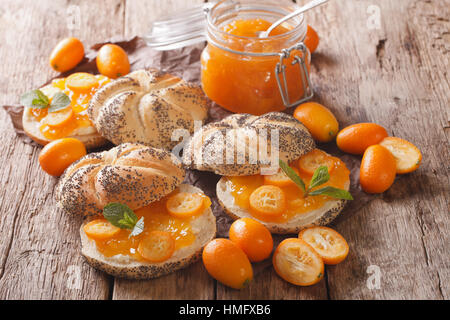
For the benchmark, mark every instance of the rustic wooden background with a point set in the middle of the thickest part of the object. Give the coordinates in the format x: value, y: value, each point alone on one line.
x: 392, y: 71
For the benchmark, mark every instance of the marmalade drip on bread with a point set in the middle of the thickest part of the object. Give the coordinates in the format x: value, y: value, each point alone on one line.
x: 156, y: 218
x: 73, y: 118
x: 246, y: 83
x: 242, y: 188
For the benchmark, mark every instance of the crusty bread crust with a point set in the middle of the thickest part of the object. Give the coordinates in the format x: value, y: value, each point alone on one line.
x: 319, y: 217
x: 147, y: 106
x: 133, y: 174
x: 204, y: 228
x: 88, y: 135
x: 208, y: 148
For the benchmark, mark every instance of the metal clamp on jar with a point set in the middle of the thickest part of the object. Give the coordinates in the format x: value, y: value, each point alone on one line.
x: 248, y: 74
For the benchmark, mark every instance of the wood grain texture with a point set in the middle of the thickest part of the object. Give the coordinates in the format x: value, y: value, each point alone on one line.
x: 395, y: 75
x: 39, y: 246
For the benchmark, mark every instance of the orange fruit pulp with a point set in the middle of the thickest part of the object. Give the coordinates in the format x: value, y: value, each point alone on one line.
x: 156, y: 218
x: 242, y: 188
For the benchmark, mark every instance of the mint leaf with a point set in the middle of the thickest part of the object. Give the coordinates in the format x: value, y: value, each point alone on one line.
x: 60, y: 101
x: 332, y: 192
x: 34, y: 99
x: 292, y: 175
x: 120, y: 215
x: 138, y: 228
x: 319, y: 177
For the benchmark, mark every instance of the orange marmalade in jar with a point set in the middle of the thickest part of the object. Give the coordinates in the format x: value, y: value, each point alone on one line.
x: 247, y: 74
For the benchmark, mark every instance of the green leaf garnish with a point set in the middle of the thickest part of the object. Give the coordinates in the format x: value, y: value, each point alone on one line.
x: 292, y: 175
x: 332, y: 192
x: 34, y: 99
x: 319, y: 177
x: 59, y: 101
x: 121, y: 216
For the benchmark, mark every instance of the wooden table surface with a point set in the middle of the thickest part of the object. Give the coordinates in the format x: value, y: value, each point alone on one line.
x: 378, y: 61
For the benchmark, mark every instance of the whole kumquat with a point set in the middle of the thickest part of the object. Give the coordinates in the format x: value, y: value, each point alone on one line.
x: 355, y: 139
x: 112, y: 61
x: 67, y: 54
x: 407, y: 155
x: 319, y: 120
x: 57, y: 155
x: 253, y: 238
x: 227, y: 263
x: 311, y: 39
x: 378, y: 169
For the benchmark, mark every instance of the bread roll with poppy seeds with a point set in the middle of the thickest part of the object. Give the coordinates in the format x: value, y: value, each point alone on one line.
x: 207, y: 149
x: 203, y: 227
x: 132, y: 174
x: 147, y: 106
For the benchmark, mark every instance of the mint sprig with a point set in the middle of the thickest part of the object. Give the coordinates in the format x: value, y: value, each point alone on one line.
x: 121, y: 216
x: 37, y: 99
x: 319, y: 177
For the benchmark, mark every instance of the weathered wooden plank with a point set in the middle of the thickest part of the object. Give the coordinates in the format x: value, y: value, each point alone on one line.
x: 394, y: 75
x: 39, y: 248
x: 193, y: 282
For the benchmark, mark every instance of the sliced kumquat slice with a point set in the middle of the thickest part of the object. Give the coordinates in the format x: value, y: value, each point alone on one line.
x: 268, y: 201
x: 309, y: 163
x: 328, y: 243
x: 58, y: 118
x: 407, y: 156
x: 81, y: 82
x: 279, y: 179
x: 298, y: 263
x: 156, y: 246
x: 185, y: 204
x: 100, y: 229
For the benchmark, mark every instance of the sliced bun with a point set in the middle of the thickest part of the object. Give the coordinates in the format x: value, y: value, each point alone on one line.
x: 319, y: 217
x: 132, y: 174
x: 88, y: 135
x: 209, y: 149
x: 203, y: 226
x: 146, y: 107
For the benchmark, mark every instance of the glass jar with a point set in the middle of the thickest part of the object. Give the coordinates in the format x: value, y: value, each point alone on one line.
x: 247, y: 74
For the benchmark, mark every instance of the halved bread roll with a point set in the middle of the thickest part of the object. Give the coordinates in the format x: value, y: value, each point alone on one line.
x: 203, y: 227
x: 132, y: 174
x: 242, y: 144
x: 319, y: 217
x: 146, y: 107
x: 88, y: 135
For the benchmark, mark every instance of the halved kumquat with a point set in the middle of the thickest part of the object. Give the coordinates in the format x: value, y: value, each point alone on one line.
x: 185, y: 204
x: 81, y: 82
x: 58, y: 118
x: 407, y: 156
x: 100, y: 229
x: 309, y: 162
x: 297, y: 262
x: 268, y: 201
x: 156, y: 246
x: 328, y: 243
x: 279, y: 179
